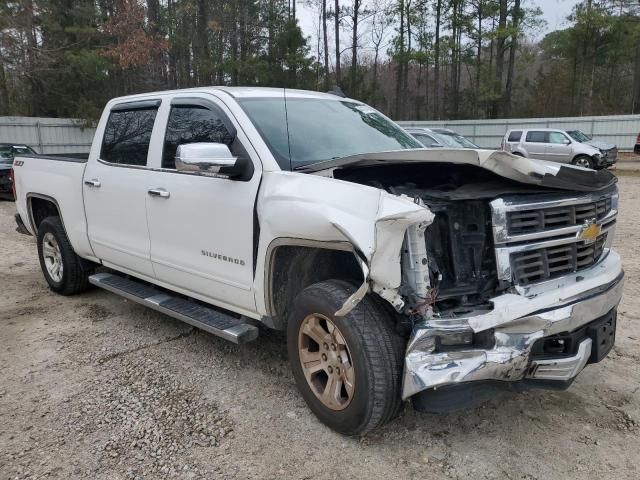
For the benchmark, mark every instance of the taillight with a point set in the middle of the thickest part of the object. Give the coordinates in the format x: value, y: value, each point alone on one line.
x: 13, y: 183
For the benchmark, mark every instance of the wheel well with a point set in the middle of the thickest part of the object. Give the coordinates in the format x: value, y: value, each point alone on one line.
x: 294, y: 268
x: 42, y: 208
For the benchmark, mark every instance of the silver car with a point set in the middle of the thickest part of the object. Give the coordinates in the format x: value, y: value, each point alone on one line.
x: 555, y: 146
x: 440, y: 138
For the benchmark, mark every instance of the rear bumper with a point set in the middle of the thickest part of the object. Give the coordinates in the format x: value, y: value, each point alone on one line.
x: 502, y: 345
x: 5, y: 184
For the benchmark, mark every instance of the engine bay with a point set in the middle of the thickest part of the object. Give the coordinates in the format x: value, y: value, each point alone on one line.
x: 459, y: 242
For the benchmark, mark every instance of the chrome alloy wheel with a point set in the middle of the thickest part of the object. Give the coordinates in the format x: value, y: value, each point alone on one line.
x: 583, y: 162
x: 52, y: 257
x: 326, y: 361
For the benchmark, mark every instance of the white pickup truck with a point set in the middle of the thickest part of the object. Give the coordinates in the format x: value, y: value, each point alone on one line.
x: 397, y: 271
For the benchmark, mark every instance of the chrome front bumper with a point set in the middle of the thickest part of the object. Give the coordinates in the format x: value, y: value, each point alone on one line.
x: 561, y: 369
x: 514, y: 325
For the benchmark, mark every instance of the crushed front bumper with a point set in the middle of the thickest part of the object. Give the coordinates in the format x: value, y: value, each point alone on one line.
x: 498, y: 345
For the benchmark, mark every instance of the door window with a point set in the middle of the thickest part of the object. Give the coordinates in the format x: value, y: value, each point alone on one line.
x: 191, y: 124
x: 515, y: 136
x: 558, y: 138
x: 537, y: 137
x: 127, y: 136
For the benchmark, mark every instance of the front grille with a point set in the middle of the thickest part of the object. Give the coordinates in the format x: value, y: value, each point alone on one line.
x: 544, y: 237
x: 533, y: 221
x: 551, y: 262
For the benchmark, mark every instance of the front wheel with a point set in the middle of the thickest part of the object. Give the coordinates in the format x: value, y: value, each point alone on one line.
x: 349, y: 368
x: 583, y: 161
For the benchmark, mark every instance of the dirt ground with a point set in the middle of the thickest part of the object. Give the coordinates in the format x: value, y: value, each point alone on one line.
x: 94, y: 386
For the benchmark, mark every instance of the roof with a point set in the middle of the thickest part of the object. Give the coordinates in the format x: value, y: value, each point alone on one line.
x: 242, y: 92
x: 537, y: 129
x: 418, y: 129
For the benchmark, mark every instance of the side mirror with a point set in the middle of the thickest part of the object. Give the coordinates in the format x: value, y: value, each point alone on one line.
x: 435, y: 145
x: 204, y: 158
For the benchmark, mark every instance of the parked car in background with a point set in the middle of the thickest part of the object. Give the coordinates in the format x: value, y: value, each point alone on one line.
x: 636, y: 149
x: 7, y: 152
x: 555, y: 146
x: 609, y: 150
x: 440, y: 138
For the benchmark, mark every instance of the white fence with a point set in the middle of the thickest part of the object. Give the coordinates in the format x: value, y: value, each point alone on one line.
x: 621, y: 130
x: 47, y: 135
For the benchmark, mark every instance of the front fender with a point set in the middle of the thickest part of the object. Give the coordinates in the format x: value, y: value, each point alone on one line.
x: 321, y: 209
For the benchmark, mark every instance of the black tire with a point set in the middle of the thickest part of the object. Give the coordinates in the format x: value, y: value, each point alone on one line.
x: 518, y: 154
x: 376, y: 351
x: 583, y: 158
x: 75, y: 270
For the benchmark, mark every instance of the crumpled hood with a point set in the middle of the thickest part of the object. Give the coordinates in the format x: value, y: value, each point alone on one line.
x: 604, y: 146
x: 524, y: 170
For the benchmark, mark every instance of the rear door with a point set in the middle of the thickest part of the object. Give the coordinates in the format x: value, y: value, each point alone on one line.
x: 202, y: 231
x: 512, y: 140
x: 115, y: 189
x: 559, y: 148
x: 535, y: 144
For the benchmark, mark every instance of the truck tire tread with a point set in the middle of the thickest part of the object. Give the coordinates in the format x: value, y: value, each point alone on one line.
x: 76, y: 271
x: 382, y: 347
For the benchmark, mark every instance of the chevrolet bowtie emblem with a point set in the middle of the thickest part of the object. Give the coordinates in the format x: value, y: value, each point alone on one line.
x: 590, y: 231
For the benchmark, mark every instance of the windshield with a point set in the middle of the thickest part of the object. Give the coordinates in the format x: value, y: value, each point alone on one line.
x: 322, y: 129
x: 578, y: 136
x: 455, y: 140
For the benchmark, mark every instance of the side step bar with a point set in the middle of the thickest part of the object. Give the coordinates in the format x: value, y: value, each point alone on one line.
x: 207, y: 319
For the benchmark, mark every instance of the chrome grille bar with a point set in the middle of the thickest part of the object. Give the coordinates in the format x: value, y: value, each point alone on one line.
x: 537, y: 240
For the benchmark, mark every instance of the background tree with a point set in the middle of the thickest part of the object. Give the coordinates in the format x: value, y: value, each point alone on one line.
x: 412, y: 59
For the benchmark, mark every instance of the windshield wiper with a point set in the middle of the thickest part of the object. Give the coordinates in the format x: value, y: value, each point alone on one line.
x: 308, y: 166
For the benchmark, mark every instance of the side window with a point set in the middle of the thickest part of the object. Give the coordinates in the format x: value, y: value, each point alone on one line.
x: 190, y: 124
x: 536, y: 137
x: 127, y: 135
x: 515, y: 136
x: 557, y: 137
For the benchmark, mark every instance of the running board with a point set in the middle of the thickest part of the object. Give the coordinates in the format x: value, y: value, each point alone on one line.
x: 207, y: 319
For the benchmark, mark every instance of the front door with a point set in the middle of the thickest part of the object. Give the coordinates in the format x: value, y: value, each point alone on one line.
x: 559, y: 148
x: 115, y: 190
x: 202, y: 227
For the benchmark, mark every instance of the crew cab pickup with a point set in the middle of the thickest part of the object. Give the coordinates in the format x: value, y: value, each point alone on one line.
x: 397, y: 272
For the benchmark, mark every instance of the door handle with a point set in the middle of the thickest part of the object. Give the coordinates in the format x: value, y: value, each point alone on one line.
x: 159, y: 192
x: 93, y: 183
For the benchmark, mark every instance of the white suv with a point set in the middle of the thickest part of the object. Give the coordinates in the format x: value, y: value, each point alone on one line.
x: 553, y: 145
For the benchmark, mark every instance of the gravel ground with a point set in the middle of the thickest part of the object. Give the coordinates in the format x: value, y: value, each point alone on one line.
x: 94, y: 386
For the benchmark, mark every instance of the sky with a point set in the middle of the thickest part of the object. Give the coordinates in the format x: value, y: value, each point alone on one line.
x: 553, y: 11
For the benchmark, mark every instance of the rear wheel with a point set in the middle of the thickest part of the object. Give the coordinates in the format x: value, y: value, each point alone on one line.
x: 348, y: 369
x: 583, y: 161
x: 65, y: 272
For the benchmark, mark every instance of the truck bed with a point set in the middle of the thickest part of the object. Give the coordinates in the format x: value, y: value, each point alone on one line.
x: 59, y: 179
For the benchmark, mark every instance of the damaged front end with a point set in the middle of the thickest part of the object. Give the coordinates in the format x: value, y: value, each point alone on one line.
x: 505, y: 278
